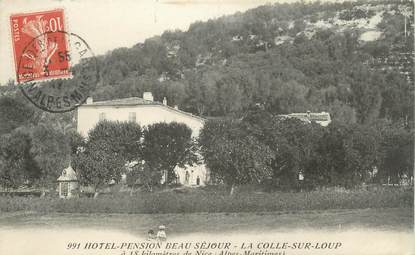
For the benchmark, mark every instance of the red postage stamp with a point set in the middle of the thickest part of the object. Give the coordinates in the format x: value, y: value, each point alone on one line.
x: 40, y: 47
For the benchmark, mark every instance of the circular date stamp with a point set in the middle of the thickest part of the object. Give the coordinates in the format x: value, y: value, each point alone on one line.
x: 60, y: 94
x: 55, y: 70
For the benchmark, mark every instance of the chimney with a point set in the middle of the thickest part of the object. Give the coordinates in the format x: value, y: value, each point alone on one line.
x: 165, y: 101
x: 89, y: 100
x: 148, y: 96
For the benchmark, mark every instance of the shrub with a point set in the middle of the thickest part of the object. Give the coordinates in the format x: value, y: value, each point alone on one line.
x: 214, y: 200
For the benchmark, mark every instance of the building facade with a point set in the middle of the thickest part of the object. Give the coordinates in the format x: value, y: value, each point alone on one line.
x: 144, y: 111
x: 322, y: 118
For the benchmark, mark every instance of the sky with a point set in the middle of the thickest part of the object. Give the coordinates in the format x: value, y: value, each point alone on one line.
x: 109, y: 24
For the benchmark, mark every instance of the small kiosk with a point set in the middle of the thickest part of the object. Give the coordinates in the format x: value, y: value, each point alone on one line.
x: 68, y: 183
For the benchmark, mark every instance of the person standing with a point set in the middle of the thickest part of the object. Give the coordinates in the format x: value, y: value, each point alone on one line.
x: 151, y: 235
x: 161, y: 234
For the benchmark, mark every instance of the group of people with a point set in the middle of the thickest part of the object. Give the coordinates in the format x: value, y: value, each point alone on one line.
x: 160, y: 236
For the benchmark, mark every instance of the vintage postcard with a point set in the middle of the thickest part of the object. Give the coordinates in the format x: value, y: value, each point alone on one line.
x: 207, y: 127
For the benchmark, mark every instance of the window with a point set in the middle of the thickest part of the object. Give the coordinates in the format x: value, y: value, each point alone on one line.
x: 132, y: 117
x: 102, y: 116
x: 64, y: 189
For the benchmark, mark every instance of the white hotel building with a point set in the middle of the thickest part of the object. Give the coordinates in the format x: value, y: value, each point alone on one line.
x: 144, y: 111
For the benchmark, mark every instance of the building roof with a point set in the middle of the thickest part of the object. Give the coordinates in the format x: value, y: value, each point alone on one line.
x: 309, y: 116
x: 123, y: 101
x: 316, y: 116
x: 68, y: 174
x: 137, y: 101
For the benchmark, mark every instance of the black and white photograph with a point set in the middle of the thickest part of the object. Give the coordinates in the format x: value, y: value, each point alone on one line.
x: 207, y: 127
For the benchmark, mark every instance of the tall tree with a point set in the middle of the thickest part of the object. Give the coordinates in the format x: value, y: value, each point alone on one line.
x: 293, y: 143
x: 396, y: 154
x: 232, y: 156
x: 17, y: 166
x: 346, y: 155
x: 51, y: 152
x: 109, y: 147
x: 144, y: 175
x: 290, y: 97
x: 76, y: 142
x: 123, y: 138
x: 13, y: 114
x: 97, y: 165
x: 167, y: 145
x: 366, y: 94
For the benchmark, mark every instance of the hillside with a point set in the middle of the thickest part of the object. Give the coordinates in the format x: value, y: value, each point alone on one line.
x: 354, y: 60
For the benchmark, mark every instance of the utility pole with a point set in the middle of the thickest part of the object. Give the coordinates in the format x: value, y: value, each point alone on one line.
x: 155, y: 10
x: 406, y: 13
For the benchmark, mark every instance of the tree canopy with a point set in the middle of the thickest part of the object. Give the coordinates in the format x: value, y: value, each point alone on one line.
x: 166, y: 146
x: 110, y: 145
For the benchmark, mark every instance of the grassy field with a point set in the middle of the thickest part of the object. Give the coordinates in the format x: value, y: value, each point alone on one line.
x: 213, y: 201
x: 382, y: 219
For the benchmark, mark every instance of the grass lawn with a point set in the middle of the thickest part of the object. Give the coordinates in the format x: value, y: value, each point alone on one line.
x: 213, y: 200
x: 399, y: 219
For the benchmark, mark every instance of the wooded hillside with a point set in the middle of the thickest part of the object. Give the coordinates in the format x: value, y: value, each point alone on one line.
x: 354, y: 60
x: 348, y: 59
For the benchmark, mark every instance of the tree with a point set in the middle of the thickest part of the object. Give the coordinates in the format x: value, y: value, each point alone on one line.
x: 342, y: 112
x: 76, y: 142
x: 228, y: 88
x: 396, y: 154
x: 233, y: 156
x: 398, y: 98
x: 13, y: 114
x: 346, y: 155
x: 174, y: 92
x: 290, y: 97
x: 293, y: 143
x: 122, y: 138
x: 17, y: 166
x: 167, y: 145
x: 97, y: 165
x: 109, y: 147
x: 367, y: 98
x: 51, y: 152
x: 142, y: 174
